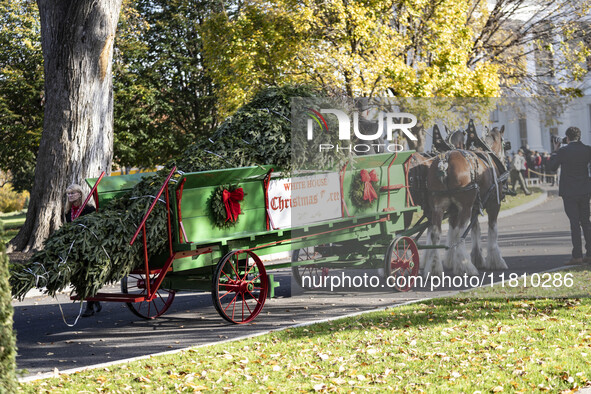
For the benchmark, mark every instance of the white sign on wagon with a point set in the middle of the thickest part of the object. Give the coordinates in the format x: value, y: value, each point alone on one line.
x: 303, y: 200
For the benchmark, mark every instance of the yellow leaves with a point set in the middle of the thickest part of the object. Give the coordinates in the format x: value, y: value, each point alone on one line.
x: 352, y: 46
x: 101, y: 379
x: 323, y: 356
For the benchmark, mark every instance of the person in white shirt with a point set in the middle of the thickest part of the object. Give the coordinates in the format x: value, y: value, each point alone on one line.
x: 517, y: 166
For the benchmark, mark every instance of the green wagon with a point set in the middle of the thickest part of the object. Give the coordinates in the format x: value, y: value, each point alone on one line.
x: 225, y: 260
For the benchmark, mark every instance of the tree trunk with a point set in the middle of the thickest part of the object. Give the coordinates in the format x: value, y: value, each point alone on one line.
x: 419, y: 132
x: 77, y: 142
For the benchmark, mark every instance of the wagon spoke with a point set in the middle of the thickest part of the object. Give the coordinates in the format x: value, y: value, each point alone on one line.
x: 307, y: 251
x: 255, y: 278
x: 404, y: 253
x: 234, y: 267
x: 228, y: 286
x: 399, y: 257
x: 155, y: 307
x: 250, y: 269
x: 228, y: 292
x: 254, y: 297
x: 245, y: 303
x: 230, y: 303
x: 147, y: 309
x: 226, y: 275
x: 160, y: 296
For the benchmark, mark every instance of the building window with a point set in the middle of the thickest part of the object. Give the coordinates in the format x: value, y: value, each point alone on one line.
x: 494, y: 116
x: 523, y: 131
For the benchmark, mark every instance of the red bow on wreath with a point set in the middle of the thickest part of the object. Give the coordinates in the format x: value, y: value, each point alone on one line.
x: 231, y: 203
x: 368, y: 191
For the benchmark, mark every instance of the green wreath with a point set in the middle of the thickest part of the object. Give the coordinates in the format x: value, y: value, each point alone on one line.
x: 357, y: 192
x: 217, y: 207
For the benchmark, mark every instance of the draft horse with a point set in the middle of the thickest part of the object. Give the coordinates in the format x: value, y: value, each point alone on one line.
x: 462, y: 183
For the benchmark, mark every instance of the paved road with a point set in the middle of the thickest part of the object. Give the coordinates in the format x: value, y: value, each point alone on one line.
x: 532, y: 241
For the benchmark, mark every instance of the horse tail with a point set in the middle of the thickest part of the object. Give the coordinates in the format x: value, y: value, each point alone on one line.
x: 442, y: 169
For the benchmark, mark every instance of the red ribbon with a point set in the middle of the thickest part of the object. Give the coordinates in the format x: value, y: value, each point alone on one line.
x: 231, y: 203
x: 368, y: 191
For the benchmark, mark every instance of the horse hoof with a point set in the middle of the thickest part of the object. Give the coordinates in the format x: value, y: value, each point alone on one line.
x: 466, y: 269
x: 498, y: 265
x: 478, y: 260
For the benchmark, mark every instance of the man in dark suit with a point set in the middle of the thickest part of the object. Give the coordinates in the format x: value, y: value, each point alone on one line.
x: 575, y: 189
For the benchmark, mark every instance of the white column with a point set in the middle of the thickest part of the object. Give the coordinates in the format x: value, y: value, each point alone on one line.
x: 534, y: 131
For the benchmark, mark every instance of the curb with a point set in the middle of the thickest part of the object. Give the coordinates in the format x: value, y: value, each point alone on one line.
x: 56, y: 373
x: 524, y: 207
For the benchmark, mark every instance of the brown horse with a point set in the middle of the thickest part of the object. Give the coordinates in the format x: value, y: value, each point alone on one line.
x: 419, y: 163
x: 457, y: 138
x: 462, y: 182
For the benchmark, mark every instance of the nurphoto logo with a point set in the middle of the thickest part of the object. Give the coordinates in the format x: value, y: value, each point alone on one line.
x: 390, y: 121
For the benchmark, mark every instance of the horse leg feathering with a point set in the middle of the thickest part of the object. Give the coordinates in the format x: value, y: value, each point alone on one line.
x: 476, y: 253
x: 457, y: 255
x: 433, y: 264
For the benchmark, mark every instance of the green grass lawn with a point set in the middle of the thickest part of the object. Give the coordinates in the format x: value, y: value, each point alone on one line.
x: 443, y: 345
x: 520, y: 198
x: 11, y: 222
x: 8, y: 235
x: 574, y: 283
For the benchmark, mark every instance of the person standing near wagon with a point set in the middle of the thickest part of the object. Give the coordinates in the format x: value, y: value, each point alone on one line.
x: 575, y: 189
x: 74, y: 210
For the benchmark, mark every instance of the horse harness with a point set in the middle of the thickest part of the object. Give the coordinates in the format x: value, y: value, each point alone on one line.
x: 491, y: 161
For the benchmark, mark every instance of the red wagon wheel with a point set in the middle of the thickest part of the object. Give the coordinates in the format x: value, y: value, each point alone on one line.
x: 402, y: 264
x: 240, y: 286
x: 136, y: 284
x: 314, y: 274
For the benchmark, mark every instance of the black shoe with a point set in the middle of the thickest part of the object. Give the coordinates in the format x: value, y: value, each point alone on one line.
x: 97, y: 306
x: 88, y: 311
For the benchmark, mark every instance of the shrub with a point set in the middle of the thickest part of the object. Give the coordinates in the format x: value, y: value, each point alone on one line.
x: 11, y: 201
x: 7, y: 339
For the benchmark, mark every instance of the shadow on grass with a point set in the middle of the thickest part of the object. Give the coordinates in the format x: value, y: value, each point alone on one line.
x: 460, y: 309
x: 443, y: 311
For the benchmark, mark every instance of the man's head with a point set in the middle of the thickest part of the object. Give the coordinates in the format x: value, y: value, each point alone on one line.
x: 573, y: 133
